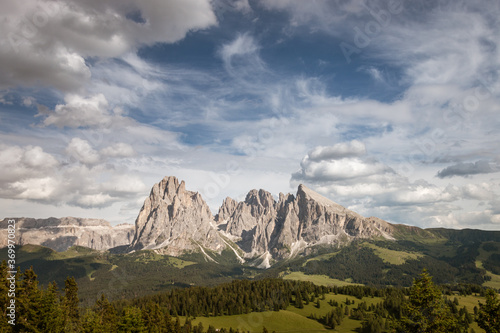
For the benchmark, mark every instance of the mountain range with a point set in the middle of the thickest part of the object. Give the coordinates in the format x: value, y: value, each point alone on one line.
x: 259, y: 231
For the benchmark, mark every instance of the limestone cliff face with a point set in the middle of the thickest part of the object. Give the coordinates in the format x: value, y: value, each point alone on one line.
x: 173, y: 220
x: 62, y: 233
x: 283, y: 228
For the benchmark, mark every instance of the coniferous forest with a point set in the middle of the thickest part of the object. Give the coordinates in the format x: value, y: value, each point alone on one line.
x: 424, y: 307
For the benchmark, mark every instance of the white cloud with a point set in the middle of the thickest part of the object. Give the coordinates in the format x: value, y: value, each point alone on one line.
x: 119, y: 149
x: 82, y: 151
x: 79, y: 112
x: 47, y: 42
x: 321, y: 15
x: 124, y: 184
x: 35, y: 188
x: 94, y: 200
x: 241, y: 58
x: 373, y: 188
x: 19, y: 163
x: 29, y: 173
x: 340, y: 150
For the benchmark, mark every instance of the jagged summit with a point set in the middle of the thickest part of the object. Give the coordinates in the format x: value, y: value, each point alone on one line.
x: 308, y: 194
x: 259, y: 229
x: 173, y: 220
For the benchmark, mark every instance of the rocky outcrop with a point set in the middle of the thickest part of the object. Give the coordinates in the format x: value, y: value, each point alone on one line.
x: 62, y: 233
x: 173, y: 220
x: 260, y: 225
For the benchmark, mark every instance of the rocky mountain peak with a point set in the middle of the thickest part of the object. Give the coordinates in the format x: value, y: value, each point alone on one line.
x: 173, y: 220
x: 169, y: 187
x: 262, y: 202
x: 308, y: 195
x: 262, y: 226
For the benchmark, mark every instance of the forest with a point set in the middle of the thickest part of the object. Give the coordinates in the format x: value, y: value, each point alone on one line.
x: 424, y: 307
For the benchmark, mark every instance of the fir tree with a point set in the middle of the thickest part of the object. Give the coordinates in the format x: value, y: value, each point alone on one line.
x: 28, y: 302
x: 426, y: 311
x: 4, y: 298
x: 131, y: 321
x: 70, y: 304
x: 488, y: 317
x: 51, y: 319
x: 106, y: 314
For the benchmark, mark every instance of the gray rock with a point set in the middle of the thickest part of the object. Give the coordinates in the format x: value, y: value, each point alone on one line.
x: 61, y: 233
x: 174, y: 220
x: 287, y: 227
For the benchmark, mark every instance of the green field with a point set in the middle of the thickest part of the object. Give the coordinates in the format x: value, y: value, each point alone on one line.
x: 282, y: 321
x: 391, y: 256
x: 495, y: 278
x: 321, y: 257
x: 296, y: 320
x: 320, y: 280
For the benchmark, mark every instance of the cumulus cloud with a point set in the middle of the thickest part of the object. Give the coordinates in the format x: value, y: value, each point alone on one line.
x: 46, y: 42
x: 30, y: 173
x: 19, y: 163
x: 338, y: 162
x: 82, y: 151
x: 79, y: 112
x: 119, y: 149
x: 340, y: 150
x: 345, y: 173
x: 27, y: 172
x: 468, y: 169
x: 35, y: 189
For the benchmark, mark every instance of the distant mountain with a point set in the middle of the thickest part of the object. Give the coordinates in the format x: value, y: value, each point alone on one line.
x: 177, y: 242
x: 281, y: 229
x: 174, y: 220
x: 259, y: 231
x: 62, y: 233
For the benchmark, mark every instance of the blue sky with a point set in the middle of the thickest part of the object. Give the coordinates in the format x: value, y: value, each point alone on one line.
x: 389, y: 108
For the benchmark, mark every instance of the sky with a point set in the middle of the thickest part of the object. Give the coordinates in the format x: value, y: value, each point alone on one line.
x: 388, y: 107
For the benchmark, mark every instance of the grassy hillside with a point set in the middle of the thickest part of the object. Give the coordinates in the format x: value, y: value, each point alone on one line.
x: 320, y: 280
x: 282, y: 321
x: 299, y: 320
x: 451, y: 257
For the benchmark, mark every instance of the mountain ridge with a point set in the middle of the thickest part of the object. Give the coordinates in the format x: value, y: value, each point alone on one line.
x: 61, y: 233
x: 258, y: 231
x: 174, y: 220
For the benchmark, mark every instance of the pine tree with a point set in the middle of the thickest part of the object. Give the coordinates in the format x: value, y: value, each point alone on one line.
x: 28, y: 302
x: 153, y: 318
x: 4, y: 298
x: 298, y: 301
x: 51, y: 319
x: 106, y: 314
x: 91, y: 322
x: 426, y: 311
x: 131, y: 321
x: 488, y: 317
x: 70, y: 304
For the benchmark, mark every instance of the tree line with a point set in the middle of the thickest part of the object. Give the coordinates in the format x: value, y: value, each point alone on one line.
x: 421, y: 308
